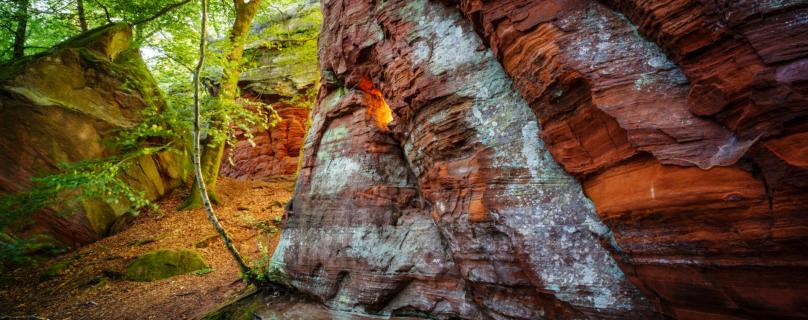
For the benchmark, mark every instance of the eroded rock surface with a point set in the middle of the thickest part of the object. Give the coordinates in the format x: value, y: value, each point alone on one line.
x: 425, y: 188
x: 685, y: 121
x: 430, y: 170
x: 284, y: 75
x: 276, y: 151
x: 63, y: 106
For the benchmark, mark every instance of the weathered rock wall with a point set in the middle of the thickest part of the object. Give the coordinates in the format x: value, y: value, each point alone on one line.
x: 285, y: 75
x: 62, y: 106
x: 430, y: 170
x: 425, y: 188
x: 686, y: 123
x: 276, y: 151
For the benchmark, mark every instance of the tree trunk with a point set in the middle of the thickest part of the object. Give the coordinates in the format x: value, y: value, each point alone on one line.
x: 211, y: 163
x: 200, y: 182
x: 82, y: 17
x: 212, y: 154
x: 22, y: 26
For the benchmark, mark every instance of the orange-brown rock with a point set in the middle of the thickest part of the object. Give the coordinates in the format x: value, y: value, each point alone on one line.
x: 425, y: 189
x: 284, y: 76
x: 275, y: 152
x: 685, y: 120
x: 66, y: 105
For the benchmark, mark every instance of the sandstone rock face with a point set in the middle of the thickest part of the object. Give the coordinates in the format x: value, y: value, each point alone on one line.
x: 276, y: 151
x: 285, y: 78
x: 425, y: 188
x: 61, y: 106
x: 686, y: 122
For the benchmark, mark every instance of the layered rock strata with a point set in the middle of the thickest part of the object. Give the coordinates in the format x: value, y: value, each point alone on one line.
x: 282, y: 74
x: 686, y: 123
x: 425, y: 189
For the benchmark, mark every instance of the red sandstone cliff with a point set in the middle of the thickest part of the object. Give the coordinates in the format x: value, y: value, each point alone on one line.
x: 64, y: 106
x: 274, y: 151
x: 435, y: 177
x: 686, y: 123
x: 286, y: 77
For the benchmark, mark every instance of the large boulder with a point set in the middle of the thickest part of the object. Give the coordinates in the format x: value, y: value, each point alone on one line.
x: 63, y: 106
x: 686, y: 123
x: 555, y: 159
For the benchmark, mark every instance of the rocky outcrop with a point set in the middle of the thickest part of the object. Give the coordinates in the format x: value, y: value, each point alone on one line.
x: 425, y: 188
x: 284, y: 75
x: 429, y: 184
x: 684, y: 120
x: 276, y: 151
x: 62, y: 106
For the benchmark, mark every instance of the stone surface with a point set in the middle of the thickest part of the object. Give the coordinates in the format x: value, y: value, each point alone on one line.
x: 62, y: 106
x: 425, y: 188
x: 161, y: 264
x: 686, y: 122
x: 276, y: 151
x: 286, y: 78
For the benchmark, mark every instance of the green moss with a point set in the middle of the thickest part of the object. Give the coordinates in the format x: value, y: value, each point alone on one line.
x: 243, y: 308
x: 54, y: 270
x: 100, y: 215
x: 161, y: 264
x: 108, y: 40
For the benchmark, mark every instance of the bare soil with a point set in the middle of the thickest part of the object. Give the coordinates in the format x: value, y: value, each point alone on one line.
x: 89, y: 285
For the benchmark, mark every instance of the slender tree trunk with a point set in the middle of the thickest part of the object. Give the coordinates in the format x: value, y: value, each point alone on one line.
x: 82, y: 17
x: 211, y: 163
x: 200, y: 182
x: 213, y: 152
x: 22, y: 27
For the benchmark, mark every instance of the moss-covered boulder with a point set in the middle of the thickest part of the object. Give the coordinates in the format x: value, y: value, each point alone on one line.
x: 63, y: 106
x: 161, y: 264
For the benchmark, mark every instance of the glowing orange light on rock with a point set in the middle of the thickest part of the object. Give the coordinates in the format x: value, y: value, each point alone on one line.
x: 377, y: 107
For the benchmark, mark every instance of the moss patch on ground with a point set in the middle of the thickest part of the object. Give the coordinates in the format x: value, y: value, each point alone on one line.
x: 242, y: 308
x: 161, y: 264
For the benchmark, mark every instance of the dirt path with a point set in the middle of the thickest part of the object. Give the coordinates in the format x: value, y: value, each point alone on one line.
x: 87, y: 287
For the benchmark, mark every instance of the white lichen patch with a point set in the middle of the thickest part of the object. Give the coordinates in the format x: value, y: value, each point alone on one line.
x: 443, y: 41
x: 551, y: 217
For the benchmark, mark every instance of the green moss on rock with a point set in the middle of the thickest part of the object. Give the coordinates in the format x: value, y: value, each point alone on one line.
x: 242, y: 308
x: 108, y: 40
x: 161, y: 264
x: 75, y: 102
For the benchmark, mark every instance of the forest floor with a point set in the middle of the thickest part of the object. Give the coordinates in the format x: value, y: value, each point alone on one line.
x: 83, y: 284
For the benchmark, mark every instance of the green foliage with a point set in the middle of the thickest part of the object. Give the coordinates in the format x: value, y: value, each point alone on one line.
x: 169, y: 47
x: 97, y: 179
x: 15, y: 251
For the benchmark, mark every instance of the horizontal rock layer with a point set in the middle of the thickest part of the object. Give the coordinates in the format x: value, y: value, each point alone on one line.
x: 686, y: 122
x: 425, y: 189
